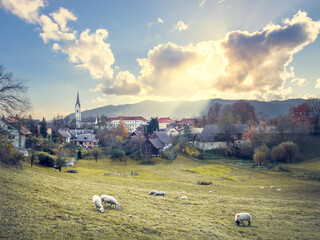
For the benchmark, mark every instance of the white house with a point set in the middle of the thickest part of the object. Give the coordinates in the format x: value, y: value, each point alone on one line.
x: 131, y: 123
x: 16, y: 133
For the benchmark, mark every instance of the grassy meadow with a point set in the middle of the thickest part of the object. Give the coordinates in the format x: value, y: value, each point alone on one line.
x: 43, y: 203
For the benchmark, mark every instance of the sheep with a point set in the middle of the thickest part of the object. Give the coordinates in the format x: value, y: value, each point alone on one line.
x: 183, y: 198
x: 272, y: 187
x: 240, y: 217
x: 211, y: 191
x: 108, y: 199
x: 183, y: 192
x: 97, y: 203
x: 152, y: 192
x: 159, y: 194
x: 279, y: 189
x: 262, y: 187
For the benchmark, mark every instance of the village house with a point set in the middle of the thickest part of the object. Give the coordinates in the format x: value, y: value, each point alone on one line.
x: 172, y: 132
x: 16, y: 133
x: 157, y: 142
x: 130, y: 123
x: 215, y: 136
x: 165, y: 123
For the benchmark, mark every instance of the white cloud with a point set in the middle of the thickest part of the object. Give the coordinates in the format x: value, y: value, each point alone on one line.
x: 99, y: 87
x: 62, y: 17
x: 202, y: 3
x: 181, y: 26
x: 300, y: 81
x: 125, y: 83
x: 26, y: 10
x: 160, y: 20
x: 90, y: 52
x: 317, y: 83
x: 242, y: 65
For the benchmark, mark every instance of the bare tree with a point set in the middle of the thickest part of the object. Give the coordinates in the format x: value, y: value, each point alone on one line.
x: 314, y: 107
x: 12, y: 94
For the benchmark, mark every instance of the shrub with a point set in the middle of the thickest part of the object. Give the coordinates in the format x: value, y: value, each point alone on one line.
x: 261, y: 154
x: 204, y: 182
x: 72, y: 171
x: 188, y: 149
x: 60, y: 162
x: 291, y: 150
x: 120, y: 154
x: 46, y: 160
x: 278, y: 154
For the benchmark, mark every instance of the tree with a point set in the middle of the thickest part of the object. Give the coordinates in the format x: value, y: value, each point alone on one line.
x: 121, y: 130
x: 96, y: 152
x: 12, y: 94
x: 261, y: 154
x: 314, y: 118
x: 244, y: 112
x: 278, y: 154
x: 291, y: 150
x: 152, y: 126
x: 226, y: 122
x: 43, y: 128
x: 187, y: 133
x: 120, y: 154
x: 32, y: 142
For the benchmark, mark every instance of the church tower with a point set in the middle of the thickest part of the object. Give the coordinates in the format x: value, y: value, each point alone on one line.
x: 78, y: 112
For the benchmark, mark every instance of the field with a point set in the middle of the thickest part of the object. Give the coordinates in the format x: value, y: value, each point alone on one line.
x: 43, y: 203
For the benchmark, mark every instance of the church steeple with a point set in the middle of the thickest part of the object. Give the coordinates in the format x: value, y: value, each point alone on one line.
x: 78, y: 101
x: 78, y: 112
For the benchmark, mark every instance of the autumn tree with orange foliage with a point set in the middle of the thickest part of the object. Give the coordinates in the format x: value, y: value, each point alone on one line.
x: 121, y: 130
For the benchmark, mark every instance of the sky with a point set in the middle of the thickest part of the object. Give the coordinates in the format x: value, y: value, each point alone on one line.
x: 119, y: 52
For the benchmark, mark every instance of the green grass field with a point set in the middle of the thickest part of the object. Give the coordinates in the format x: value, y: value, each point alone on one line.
x: 43, y: 203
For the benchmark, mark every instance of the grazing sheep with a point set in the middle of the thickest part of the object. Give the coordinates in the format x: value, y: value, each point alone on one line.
x: 111, y: 200
x: 159, y: 194
x: 183, y: 198
x: 240, y: 217
x: 262, y: 187
x: 152, y: 192
x: 279, y: 189
x: 97, y: 203
x: 211, y: 191
x: 272, y: 187
x: 183, y: 192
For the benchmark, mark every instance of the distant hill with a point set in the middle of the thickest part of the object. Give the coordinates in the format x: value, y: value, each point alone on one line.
x: 184, y: 109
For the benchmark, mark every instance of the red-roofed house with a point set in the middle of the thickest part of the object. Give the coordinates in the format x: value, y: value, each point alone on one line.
x: 131, y: 123
x: 186, y: 121
x: 165, y: 122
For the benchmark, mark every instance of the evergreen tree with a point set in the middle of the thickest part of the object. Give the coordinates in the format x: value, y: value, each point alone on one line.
x: 43, y: 128
x: 152, y: 126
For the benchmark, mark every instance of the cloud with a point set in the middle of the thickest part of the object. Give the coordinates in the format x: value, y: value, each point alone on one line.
x: 181, y: 26
x: 26, y: 10
x: 125, y: 83
x: 300, y: 81
x: 62, y: 17
x: 90, y: 52
x: 160, y: 20
x: 257, y: 61
x: 202, y: 3
x: 317, y: 83
x: 57, y: 31
x: 242, y: 65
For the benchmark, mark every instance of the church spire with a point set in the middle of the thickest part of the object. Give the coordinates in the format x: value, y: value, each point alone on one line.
x: 78, y: 100
x: 78, y: 112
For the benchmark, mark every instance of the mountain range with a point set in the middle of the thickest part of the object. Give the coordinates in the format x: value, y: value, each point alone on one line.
x: 186, y: 109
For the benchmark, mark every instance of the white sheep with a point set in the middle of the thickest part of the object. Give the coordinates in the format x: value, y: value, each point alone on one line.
x: 183, y: 198
x: 240, y: 217
x: 152, y: 192
x: 272, y: 187
x: 211, y: 191
x: 279, y: 189
x: 262, y: 187
x: 159, y: 194
x: 111, y: 200
x: 97, y: 203
x: 183, y: 192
